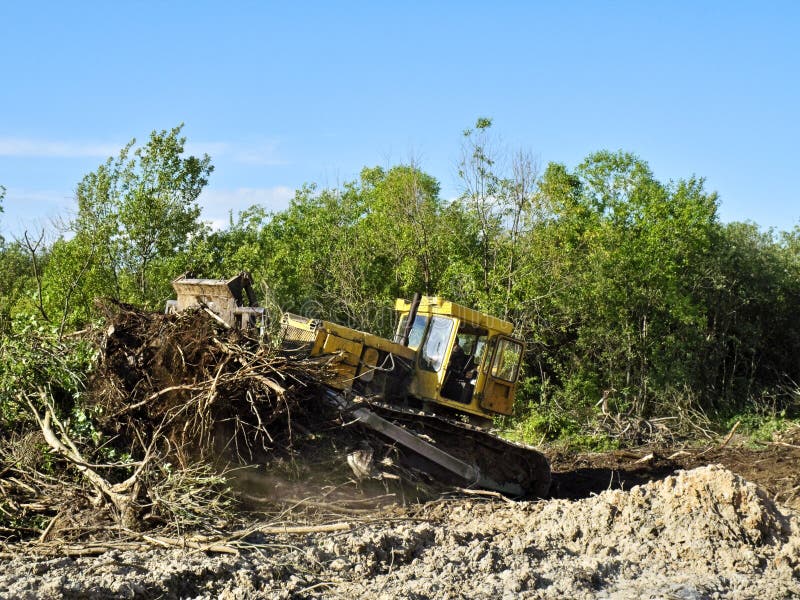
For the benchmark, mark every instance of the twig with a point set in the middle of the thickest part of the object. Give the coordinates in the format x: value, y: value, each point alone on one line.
x: 49, y: 528
x: 303, y: 529
x: 216, y: 317
x: 317, y: 585
x: 730, y: 435
x: 215, y: 547
x: 724, y: 442
x: 155, y: 395
x: 486, y: 493
x: 331, y: 507
x: 675, y: 455
x: 784, y: 444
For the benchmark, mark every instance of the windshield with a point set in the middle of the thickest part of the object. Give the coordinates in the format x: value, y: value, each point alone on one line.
x: 436, y: 343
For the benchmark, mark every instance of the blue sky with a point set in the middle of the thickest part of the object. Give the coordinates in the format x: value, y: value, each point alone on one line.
x: 285, y: 93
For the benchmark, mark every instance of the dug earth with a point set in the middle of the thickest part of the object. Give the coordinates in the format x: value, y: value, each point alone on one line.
x: 699, y: 533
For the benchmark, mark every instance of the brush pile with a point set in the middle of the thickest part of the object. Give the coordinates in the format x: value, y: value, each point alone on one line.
x: 174, y: 404
x: 197, y: 387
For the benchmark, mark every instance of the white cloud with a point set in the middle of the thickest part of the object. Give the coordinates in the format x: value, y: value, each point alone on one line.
x: 11, y: 146
x: 34, y: 211
x: 217, y: 204
x: 263, y: 154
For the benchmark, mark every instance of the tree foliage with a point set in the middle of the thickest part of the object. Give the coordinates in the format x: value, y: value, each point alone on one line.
x: 137, y: 215
x: 623, y: 286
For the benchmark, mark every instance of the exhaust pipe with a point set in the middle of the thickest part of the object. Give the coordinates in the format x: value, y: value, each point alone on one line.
x: 412, y: 315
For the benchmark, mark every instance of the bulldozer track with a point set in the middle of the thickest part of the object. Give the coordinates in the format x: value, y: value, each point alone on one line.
x: 502, y: 460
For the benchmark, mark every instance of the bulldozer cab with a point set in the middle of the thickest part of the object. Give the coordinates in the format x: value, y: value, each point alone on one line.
x: 465, y: 360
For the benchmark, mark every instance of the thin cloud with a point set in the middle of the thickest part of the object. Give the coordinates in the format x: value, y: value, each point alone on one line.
x: 33, y: 148
x: 219, y: 204
x: 263, y: 154
x: 34, y: 210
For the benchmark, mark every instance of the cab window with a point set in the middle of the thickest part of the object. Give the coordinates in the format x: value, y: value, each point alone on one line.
x: 417, y: 330
x: 474, y: 345
x: 506, y: 361
x: 436, y: 342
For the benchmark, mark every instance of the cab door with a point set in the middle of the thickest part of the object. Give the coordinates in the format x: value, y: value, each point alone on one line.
x: 500, y: 375
x: 433, y: 356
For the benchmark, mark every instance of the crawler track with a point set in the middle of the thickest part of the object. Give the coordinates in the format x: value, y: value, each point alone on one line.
x: 499, y: 459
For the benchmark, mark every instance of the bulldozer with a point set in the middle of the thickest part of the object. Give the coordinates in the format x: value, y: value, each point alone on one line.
x: 434, y: 388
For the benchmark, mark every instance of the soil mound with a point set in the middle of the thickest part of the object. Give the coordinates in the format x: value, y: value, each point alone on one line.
x: 693, y: 535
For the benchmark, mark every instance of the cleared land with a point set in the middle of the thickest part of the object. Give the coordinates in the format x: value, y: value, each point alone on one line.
x: 654, y: 522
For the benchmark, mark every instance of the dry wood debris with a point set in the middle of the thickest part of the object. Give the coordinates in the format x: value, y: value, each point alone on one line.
x: 180, y: 403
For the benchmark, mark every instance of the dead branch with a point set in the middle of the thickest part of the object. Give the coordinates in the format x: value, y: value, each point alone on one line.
x: 188, y: 543
x: 302, y: 529
x: 784, y: 444
x: 729, y: 436
x: 64, y: 446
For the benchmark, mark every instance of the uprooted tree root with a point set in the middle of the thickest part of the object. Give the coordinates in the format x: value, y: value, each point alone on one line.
x: 176, y: 404
x: 188, y: 378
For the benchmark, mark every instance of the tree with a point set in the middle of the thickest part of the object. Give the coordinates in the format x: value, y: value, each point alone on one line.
x: 158, y: 210
x: 2, y: 197
x: 481, y: 190
x: 613, y: 280
x: 402, y: 220
x: 15, y: 281
x: 137, y: 215
x: 499, y: 201
x: 752, y: 319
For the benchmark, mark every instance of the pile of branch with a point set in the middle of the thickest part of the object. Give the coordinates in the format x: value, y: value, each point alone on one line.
x: 173, y: 400
x: 194, y: 381
x: 178, y: 410
x: 629, y: 429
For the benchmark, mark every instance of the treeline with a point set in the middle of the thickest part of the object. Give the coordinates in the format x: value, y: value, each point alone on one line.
x: 623, y: 286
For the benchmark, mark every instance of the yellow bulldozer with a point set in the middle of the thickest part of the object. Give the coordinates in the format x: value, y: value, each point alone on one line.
x: 434, y: 389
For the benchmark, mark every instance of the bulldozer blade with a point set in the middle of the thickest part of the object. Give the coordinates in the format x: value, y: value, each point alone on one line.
x: 469, y: 473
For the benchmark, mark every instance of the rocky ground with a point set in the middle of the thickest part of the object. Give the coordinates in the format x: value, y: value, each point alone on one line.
x: 621, y: 525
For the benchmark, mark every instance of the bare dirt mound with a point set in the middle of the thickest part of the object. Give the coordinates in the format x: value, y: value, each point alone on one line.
x: 772, y: 465
x: 705, y: 533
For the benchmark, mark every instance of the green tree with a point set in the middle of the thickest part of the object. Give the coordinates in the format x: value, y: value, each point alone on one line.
x: 241, y: 246
x: 137, y: 216
x: 346, y: 253
x: 752, y: 319
x: 402, y: 222
x: 618, y: 265
x: 499, y: 201
x: 16, y: 283
x: 482, y: 188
